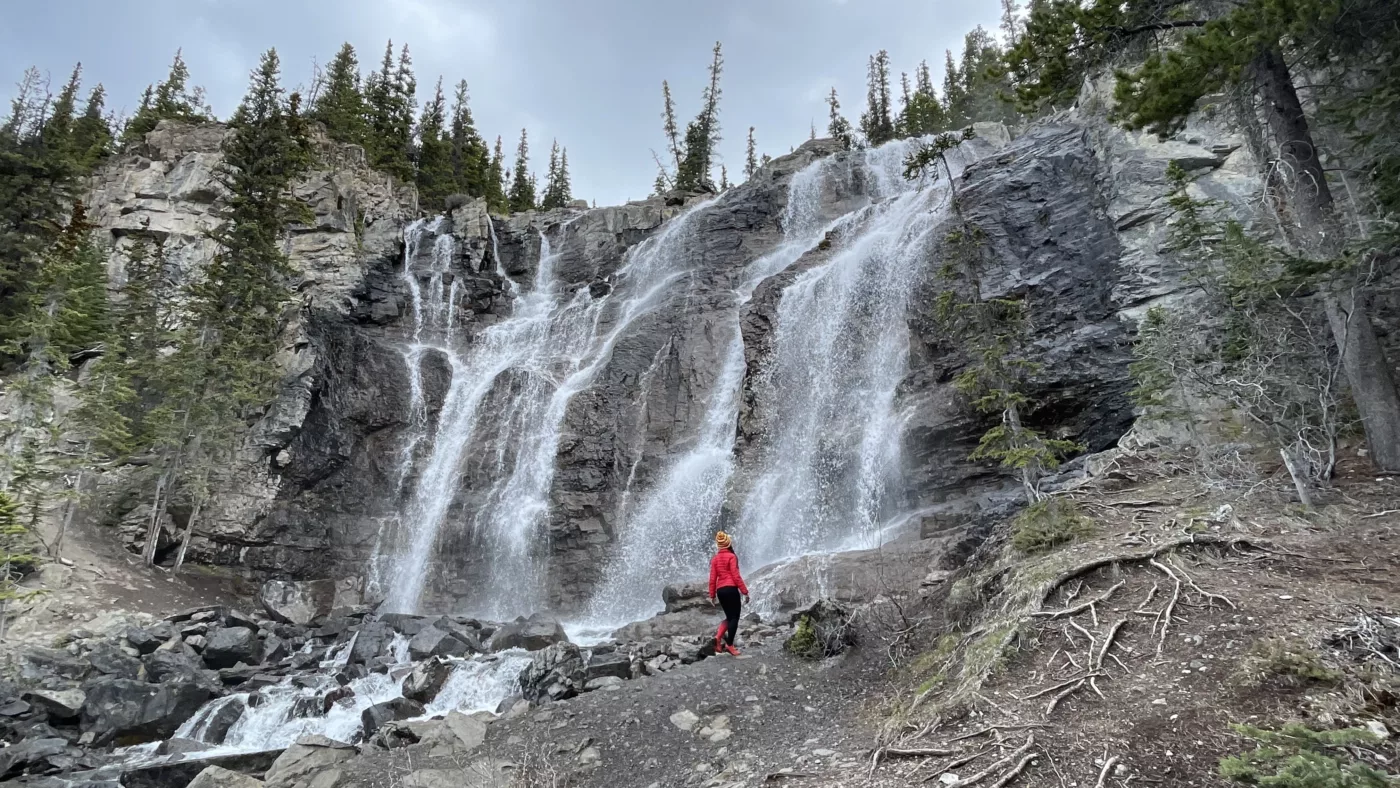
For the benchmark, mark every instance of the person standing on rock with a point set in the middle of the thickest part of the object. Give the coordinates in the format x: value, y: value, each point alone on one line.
x: 726, y: 585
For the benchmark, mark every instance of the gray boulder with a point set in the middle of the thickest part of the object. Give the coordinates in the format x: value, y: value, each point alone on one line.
x: 372, y: 641
x: 108, y: 659
x: 380, y: 714
x: 60, y: 704
x: 433, y: 642
x: 143, y: 640
x: 30, y: 755
x: 298, y: 603
x: 600, y: 665
x: 405, y: 624
x: 426, y: 680
x: 686, y: 596
x: 532, y: 634
x: 216, y: 777
x: 231, y: 645
x: 132, y: 712
x: 310, y: 756
x: 556, y: 673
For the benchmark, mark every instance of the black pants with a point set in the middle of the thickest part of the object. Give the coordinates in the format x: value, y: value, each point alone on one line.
x: 730, y: 600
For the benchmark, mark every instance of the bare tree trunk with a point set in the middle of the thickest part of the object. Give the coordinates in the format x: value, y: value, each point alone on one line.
x: 1300, y: 482
x: 148, y: 552
x: 1298, y: 177
x: 189, y: 532
x: 56, y: 550
x: 1028, y: 473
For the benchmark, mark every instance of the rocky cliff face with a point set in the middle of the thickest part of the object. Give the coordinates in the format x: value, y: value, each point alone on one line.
x: 1075, y: 213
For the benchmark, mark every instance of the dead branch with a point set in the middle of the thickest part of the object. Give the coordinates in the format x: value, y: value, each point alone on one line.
x: 955, y: 764
x: 1080, y: 608
x: 1380, y: 514
x: 1107, y: 770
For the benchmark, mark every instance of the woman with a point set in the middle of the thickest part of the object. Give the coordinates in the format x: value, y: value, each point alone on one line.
x: 726, y: 585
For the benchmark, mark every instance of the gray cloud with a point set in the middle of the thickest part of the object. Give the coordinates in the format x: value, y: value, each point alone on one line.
x: 587, y: 73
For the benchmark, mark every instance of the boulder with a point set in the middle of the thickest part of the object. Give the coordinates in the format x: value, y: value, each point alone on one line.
x: 143, y: 640
x: 108, y: 659
x: 224, y: 718
x: 532, y: 634
x: 686, y: 596
x: 426, y: 680
x: 373, y: 640
x: 131, y: 712
x: 38, y: 665
x: 555, y: 673
x: 164, y: 666
x: 405, y: 624
x: 231, y: 645
x: 300, y: 763
x: 466, y: 630
x: 30, y: 756
x: 60, y: 704
x: 298, y: 602
x: 216, y: 777
x: 380, y: 714
x: 599, y: 665
x: 433, y: 642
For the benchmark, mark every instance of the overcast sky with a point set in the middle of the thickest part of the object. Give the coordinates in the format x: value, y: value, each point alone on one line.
x: 587, y: 72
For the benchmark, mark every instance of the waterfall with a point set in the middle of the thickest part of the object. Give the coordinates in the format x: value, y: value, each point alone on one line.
x: 531, y: 364
x: 828, y: 451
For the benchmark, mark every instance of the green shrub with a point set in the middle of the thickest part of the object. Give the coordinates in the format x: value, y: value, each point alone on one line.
x: 1299, y: 757
x: 1049, y: 524
x: 1295, y: 663
x: 803, y: 642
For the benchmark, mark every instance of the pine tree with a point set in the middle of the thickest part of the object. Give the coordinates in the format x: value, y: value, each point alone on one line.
x: 496, y: 198
x: 389, y: 96
x: 839, y: 128
x: 558, y: 192
x: 723, y: 178
x: 16, y: 557
x: 751, y: 156
x: 876, y: 123
x: 224, y: 367
x: 522, y: 186
x: 471, y: 162
x: 702, y: 135
x: 669, y: 127
x: 92, y: 136
x: 340, y: 105
x: 435, y: 175
x: 924, y: 114
x: 955, y: 99
x: 1010, y: 21
x: 172, y: 99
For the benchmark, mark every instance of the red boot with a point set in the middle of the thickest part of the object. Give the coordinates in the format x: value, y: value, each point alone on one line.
x: 733, y: 652
x: 719, y: 636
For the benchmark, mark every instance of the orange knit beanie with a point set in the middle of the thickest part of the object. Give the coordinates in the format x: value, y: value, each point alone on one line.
x: 722, y: 540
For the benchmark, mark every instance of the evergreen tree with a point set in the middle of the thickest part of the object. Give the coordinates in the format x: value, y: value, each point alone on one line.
x: 955, y: 98
x: 839, y: 128
x: 496, y: 198
x: 751, y: 155
x: 471, y: 162
x: 16, y: 557
x: 224, y: 367
x: 669, y: 126
x: 435, y: 177
x: 92, y: 136
x: 702, y: 135
x: 172, y: 99
x: 558, y: 193
x: 924, y: 114
x: 340, y: 105
x: 876, y: 123
x: 389, y: 97
x: 1245, y: 43
x: 522, y: 186
x: 723, y: 178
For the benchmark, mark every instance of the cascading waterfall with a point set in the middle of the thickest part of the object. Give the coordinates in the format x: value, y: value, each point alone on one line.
x: 548, y: 350
x: 829, y: 435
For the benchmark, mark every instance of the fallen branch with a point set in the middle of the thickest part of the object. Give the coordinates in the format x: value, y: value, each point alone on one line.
x: 1380, y: 514
x: 1107, y: 770
x: 955, y: 764
x: 1080, y: 608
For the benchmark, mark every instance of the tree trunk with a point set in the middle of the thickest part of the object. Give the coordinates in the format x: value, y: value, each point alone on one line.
x: 148, y: 552
x: 1028, y: 473
x: 189, y: 532
x: 1299, y: 179
x: 57, y: 549
x: 1299, y: 482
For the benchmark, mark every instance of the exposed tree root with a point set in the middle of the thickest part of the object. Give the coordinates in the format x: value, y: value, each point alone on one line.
x: 1080, y: 608
x: 1107, y: 770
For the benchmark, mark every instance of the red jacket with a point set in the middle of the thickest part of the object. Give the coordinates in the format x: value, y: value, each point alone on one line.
x: 724, y: 572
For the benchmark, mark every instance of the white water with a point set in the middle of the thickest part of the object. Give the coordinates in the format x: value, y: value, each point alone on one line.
x: 534, y: 363
x: 477, y: 684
